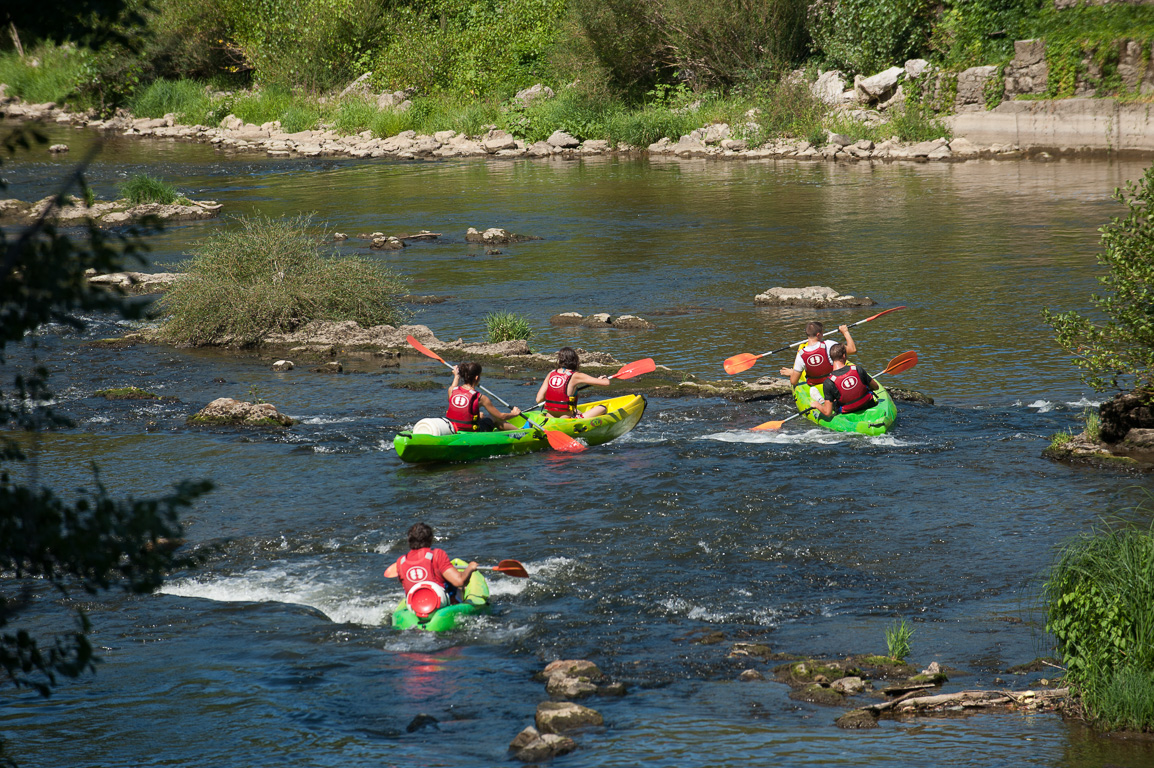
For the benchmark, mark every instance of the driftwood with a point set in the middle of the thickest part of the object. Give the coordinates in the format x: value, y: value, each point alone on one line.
x: 911, y: 703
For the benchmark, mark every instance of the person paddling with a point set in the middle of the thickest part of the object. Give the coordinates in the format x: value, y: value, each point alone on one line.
x: 559, y: 390
x: 429, y: 578
x: 813, y: 358
x: 465, y: 403
x: 848, y: 387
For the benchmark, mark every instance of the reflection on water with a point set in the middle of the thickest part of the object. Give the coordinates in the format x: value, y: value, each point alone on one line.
x: 277, y: 650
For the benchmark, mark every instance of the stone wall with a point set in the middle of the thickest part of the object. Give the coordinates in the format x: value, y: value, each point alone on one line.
x: 1027, y: 73
x: 1061, y: 124
x: 972, y: 88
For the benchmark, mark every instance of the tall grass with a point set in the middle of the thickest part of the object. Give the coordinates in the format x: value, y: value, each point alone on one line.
x: 507, y: 326
x: 187, y: 98
x: 143, y: 188
x: 295, y: 110
x: 1100, y: 609
x: 47, y: 72
x: 268, y: 276
x: 898, y: 636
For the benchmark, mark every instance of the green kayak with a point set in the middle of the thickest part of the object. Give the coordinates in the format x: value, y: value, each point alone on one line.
x: 872, y: 421
x: 475, y: 600
x: 623, y: 415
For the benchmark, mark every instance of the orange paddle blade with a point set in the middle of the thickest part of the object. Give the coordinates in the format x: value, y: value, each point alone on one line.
x: 902, y: 362
x: 879, y: 314
x: 560, y: 441
x: 770, y: 425
x: 739, y: 363
x: 423, y: 349
x: 512, y: 568
x: 636, y: 368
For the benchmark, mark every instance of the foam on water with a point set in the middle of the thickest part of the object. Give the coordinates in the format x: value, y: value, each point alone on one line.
x: 326, y: 419
x: 1043, y: 406
x: 1085, y: 402
x: 810, y: 436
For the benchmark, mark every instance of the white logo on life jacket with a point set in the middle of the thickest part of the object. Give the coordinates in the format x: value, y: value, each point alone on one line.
x: 813, y: 360
x: 417, y: 573
x: 460, y: 400
x: 850, y: 381
x: 557, y: 380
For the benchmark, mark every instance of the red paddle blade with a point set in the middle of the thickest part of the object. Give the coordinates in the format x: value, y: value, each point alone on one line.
x: 739, y: 363
x: 636, y: 368
x: 902, y: 362
x: 879, y: 314
x: 512, y: 568
x: 423, y: 349
x: 560, y: 441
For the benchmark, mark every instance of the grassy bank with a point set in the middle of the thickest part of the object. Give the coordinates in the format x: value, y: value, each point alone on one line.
x: 1100, y: 610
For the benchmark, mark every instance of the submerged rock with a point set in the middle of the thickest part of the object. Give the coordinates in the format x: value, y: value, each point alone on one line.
x: 532, y: 746
x: 137, y: 282
x: 496, y: 236
x: 1121, y: 413
x: 105, y: 214
x: 562, y: 716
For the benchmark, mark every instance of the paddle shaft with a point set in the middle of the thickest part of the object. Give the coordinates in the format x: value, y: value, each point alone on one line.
x: 831, y: 333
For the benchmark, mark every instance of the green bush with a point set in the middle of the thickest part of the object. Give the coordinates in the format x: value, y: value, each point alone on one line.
x: 1123, y: 345
x: 1099, y: 600
x: 143, y: 188
x: 975, y: 32
x: 898, y: 637
x: 47, y: 72
x: 270, y: 276
x: 867, y: 36
x: 507, y: 326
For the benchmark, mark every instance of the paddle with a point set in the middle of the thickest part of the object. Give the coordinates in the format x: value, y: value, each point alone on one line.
x: 745, y: 360
x: 558, y: 440
x: 902, y: 362
x: 629, y: 370
x: 507, y: 567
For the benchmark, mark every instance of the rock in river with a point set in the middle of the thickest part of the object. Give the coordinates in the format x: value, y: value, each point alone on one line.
x: 228, y: 412
x: 815, y: 296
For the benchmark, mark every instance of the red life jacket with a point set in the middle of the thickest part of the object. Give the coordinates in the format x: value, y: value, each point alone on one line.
x: 424, y: 587
x: 853, y: 393
x: 558, y: 401
x: 817, y: 364
x: 464, y: 409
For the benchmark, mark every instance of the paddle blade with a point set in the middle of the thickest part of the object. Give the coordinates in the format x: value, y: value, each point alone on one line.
x: 902, y: 362
x: 879, y: 314
x: 769, y: 425
x: 511, y: 568
x: 636, y: 368
x: 423, y: 349
x: 739, y: 363
x: 560, y: 441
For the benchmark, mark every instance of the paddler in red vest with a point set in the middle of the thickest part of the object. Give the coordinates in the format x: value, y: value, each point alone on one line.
x: 427, y: 575
x: 813, y: 358
x: 465, y: 403
x: 559, y: 390
x: 848, y: 388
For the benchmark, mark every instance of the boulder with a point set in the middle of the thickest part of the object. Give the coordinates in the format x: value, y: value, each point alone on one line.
x: 531, y: 746
x: 496, y: 236
x: 815, y: 296
x: 359, y: 87
x: 598, y: 320
x: 58, y: 148
x: 1124, y: 412
x: 496, y: 140
x: 330, y: 367
x: 595, y: 147
x: 389, y: 243
x: 757, y: 650
x: 138, y: 283
x: 735, y: 145
x: 632, y: 323
x: 848, y: 685
x: 1139, y: 439
x: 915, y: 67
x: 858, y: 718
x: 282, y: 365
x: 227, y: 411
x: 562, y: 716
x: 562, y: 140
x: 566, y: 318
x: 535, y: 93
x: 662, y: 146
x: 689, y: 145
x: 877, y: 87
x: 395, y: 101
x: 750, y: 675
x: 829, y: 87
x: 715, y: 133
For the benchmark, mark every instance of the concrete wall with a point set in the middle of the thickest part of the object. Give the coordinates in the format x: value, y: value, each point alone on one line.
x: 1096, y: 124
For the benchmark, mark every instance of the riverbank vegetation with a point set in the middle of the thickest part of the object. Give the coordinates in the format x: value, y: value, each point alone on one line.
x: 1100, y: 609
x: 142, y: 188
x: 269, y: 275
x: 627, y: 71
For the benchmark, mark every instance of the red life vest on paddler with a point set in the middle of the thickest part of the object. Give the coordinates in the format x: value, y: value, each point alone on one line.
x: 558, y: 401
x: 853, y: 393
x: 464, y: 409
x: 420, y: 574
x: 818, y: 366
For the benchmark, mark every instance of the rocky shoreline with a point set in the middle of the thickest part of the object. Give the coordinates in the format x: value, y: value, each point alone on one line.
x: 1123, y: 436
x: 105, y: 213
x: 714, y: 141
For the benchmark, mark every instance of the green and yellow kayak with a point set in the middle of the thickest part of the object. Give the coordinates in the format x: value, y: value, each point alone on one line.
x: 872, y: 421
x: 623, y: 414
x: 475, y: 600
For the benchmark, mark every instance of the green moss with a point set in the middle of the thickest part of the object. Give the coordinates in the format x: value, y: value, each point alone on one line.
x: 128, y: 393
x: 197, y: 420
x: 416, y: 386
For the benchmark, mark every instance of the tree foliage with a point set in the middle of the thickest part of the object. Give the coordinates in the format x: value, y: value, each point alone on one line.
x: 1121, y: 346
x: 866, y: 36
x: 95, y: 542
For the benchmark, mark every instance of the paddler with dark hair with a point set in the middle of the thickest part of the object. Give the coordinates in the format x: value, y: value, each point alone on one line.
x: 465, y: 403
x: 848, y: 387
x: 427, y: 575
x: 559, y: 389
x: 813, y: 359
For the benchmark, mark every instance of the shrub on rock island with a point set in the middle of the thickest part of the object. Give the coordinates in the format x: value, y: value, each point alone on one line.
x: 1121, y: 347
x: 270, y: 276
x: 507, y: 326
x: 143, y: 188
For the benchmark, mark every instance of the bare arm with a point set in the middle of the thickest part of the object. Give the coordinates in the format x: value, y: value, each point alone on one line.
x: 391, y: 571
x: 541, y: 390
x: 850, y: 347
x: 459, y: 578
x: 498, y: 417
x: 584, y: 378
x: 456, y: 380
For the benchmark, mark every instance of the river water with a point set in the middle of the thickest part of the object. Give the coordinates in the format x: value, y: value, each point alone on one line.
x: 278, y: 650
